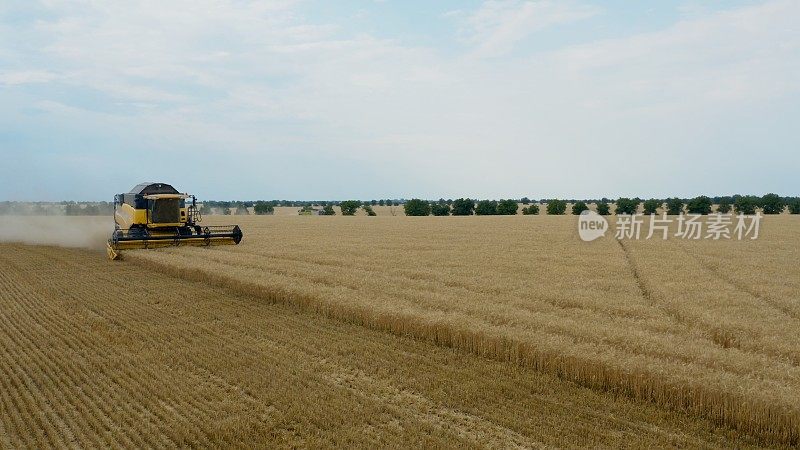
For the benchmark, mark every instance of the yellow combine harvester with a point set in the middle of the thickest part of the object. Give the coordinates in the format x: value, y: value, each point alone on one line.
x: 154, y: 215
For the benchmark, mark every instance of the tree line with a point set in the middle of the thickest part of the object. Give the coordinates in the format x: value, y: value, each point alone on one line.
x: 741, y: 204
x: 262, y: 207
x: 744, y: 204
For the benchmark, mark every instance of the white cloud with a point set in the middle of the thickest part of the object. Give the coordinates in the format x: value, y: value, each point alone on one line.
x: 751, y: 53
x: 497, y: 25
x: 26, y: 77
x: 256, y: 79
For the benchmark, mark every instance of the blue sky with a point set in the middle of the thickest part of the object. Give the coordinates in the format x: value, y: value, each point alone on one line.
x: 232, y: 99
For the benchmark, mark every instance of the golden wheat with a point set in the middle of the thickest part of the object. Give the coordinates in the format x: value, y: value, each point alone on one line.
x: 710, y: 328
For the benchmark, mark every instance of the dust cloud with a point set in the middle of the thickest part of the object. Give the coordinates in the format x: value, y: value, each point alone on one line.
x: 61, y: 231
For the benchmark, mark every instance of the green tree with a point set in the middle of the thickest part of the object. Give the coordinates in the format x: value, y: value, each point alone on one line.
x: 349, y: 207
x: 674, y: 206
x: 578, y: 208
x: 507, y: 207
x: 380, y: 202
x: 417, y: 207
x: 486, y: 208
x: 440, y: 209
x: 602, y: 208
x: 556, y: 207
x: 261, y: 208
x: 531, y: 210
x: 746, y: 204
x: 772, y: 204
x: 724, y: 206
x: 627, y: 205
x: 651, y: 206
x: 368, y: 209
x: 794, y: 205
x: 328, y: 210
x: 525, y: 201
x: 699, y: 205
x: 463, y: 207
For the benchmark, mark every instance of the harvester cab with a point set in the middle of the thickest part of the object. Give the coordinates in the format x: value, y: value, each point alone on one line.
x: 154, y: 215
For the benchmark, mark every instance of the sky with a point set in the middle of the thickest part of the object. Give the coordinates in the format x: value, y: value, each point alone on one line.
x: 293, y: 99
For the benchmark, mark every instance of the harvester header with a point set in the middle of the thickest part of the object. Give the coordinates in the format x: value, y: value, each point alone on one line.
x: 154, y: 215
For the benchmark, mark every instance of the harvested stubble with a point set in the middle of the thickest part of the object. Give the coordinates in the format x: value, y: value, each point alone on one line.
x: 654, y: 320
x: 102, y: 354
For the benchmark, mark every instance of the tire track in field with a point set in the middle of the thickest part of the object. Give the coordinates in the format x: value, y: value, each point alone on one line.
x: 645, y: 291
x: 723, y: 337
x: 730, y: 336
x: 743, y: 287
x: 720, y: 337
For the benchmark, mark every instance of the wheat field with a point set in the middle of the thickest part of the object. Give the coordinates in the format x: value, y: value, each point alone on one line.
x: 401, y: 331
x: 709, y: 328
x: 107, y: 354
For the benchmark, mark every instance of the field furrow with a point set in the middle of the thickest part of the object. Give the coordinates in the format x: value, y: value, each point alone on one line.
x: 62, y: 375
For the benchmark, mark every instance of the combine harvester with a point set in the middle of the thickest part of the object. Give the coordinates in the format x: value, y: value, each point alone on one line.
x: 155, y: 215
